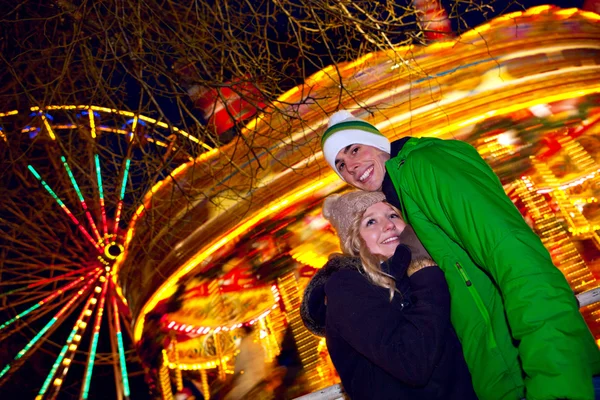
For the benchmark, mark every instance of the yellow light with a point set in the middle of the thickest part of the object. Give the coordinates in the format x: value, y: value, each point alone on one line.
x: 442, y: 45
x: 92, y: 123
x: 94, y: 301
x: 82, y: 325
x: 483, y: 28
x: 284, y: 97
x: 358, y: 62
x: 317, y: 76
x: 97, y: 289
x: 237, y: 231
x: 57, y: 382
x: 72, y: 347
x: 590, y: 15
x: 77, y: 338
x: 536, y: 10
x: 66, y: 361
x: 515, y: 107
x: 566, y: 12
x: 48, y: 127
x: 507, y: 17
x: 6, y: 114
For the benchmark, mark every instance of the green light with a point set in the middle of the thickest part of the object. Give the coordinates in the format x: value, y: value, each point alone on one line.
x: 21, y: 315
x: 37, y: 337
x: 123, y: 365
x: 89, y: 367
x: 45, y: 329
x: 45, y: 185
x: 54, y: 368
x: 34, y: 172
x: 99, y: 176
x: 63, y: 351
x: 92, y: 354
x: 123, y: 184
x: 72, y: 178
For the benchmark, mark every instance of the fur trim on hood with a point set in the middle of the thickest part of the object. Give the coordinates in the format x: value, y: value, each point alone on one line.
x: 313, y: 308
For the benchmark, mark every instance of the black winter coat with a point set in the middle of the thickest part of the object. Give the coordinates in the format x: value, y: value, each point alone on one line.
x: 403, y: 349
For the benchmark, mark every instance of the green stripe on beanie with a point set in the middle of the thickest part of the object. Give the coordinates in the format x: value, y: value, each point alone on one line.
x: 345, y: 125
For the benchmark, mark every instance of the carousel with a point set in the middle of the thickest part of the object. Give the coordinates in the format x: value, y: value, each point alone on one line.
x: 245, y: 234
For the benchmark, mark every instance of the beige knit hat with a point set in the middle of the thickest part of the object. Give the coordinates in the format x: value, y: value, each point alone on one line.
x: 342, y: 210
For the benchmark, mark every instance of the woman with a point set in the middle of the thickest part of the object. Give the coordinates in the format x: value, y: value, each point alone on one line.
x: 387, y: 324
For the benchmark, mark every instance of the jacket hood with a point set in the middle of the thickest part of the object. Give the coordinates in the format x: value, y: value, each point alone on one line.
x: 313, y: 309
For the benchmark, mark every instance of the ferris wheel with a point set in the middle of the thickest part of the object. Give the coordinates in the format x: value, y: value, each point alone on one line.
x: 72, y: 178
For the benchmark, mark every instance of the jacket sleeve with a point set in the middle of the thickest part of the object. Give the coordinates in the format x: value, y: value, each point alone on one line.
x: 406, y: 343
x: 458, y: 191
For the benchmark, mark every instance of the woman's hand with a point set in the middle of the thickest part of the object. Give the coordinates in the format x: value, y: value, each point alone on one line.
x: 419, y: 265
x: 409, y: 238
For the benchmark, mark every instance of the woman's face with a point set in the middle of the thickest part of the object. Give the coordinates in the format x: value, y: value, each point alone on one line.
x: 380, y: 228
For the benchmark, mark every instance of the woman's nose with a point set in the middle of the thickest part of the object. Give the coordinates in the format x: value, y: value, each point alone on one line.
x: 389, y: 225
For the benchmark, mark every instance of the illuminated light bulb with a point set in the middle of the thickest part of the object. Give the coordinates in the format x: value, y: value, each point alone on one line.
x: 67, y: 361
x: 507, y: 138
x: 97, y: 289
x: 102, y: 279
x: 171, y: 324
x: 94, y: 301
x: 88, y: 312
x: 72, y: 347
x: 82, y: 325
x: 57, y: 382
x: 77, y: 338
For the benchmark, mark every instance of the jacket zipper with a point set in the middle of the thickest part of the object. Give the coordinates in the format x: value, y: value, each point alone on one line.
x: 479, y: 303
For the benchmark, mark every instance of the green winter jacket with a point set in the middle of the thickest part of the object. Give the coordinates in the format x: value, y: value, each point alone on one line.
x: 498, y: 271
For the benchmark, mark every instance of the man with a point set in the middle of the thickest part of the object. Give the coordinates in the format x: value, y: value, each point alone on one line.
x: 516, y: 317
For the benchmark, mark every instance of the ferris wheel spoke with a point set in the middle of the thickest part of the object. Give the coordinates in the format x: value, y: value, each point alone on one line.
x: 94, y: 343
x: 36, y: 283
x: 64, y: 207
x: 68, y: 350
x: 81, y: 199
x: 48, y: 299
x: 122, y: 194
x: 120, y: 347
x: 59, y: 316
x: 37, y: 315
x: 101, y: 193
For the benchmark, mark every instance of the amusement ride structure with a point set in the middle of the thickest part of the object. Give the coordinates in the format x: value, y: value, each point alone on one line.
x: 203, y: 241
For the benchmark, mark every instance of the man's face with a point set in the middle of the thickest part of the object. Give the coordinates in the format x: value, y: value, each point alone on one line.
x: 362, y: 166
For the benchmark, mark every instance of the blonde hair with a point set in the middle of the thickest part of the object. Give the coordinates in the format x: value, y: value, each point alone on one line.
x: 356, y: 246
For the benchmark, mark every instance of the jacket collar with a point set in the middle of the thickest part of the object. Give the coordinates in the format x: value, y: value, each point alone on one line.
x: 313, y: 309
x: 397, y: 146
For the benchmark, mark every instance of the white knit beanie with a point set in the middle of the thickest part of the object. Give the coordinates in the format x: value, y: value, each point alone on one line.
x: 343, y: 130
x: 342, y: 210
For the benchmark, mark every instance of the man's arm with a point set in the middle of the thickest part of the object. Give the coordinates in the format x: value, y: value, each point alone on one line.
x: 458, y: 191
